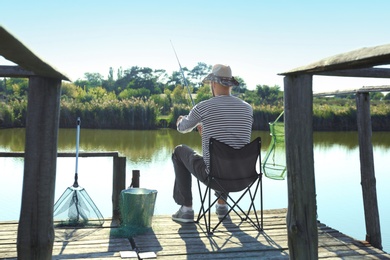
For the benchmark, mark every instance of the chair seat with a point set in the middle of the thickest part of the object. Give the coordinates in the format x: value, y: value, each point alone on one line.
x: 233, y: 170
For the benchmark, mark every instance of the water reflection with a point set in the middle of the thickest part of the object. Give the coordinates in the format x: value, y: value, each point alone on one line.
x: 141, y: 145
x: 336, y: 157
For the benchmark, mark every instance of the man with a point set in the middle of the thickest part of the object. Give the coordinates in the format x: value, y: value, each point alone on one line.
x: 223, y: 117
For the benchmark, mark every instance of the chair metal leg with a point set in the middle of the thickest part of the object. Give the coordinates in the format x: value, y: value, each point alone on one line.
x: 205, y: 211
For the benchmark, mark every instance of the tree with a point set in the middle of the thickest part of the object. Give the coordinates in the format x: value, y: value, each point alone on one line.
x: 203, y: 93
x: 268, y: 95
x: 110, y: 76
x: 241, y: 87
x: 200, y: 71
x: 376, y: 95
x: 180, y: 95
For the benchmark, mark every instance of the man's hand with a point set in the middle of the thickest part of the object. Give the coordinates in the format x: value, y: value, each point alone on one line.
x: 200, y: 128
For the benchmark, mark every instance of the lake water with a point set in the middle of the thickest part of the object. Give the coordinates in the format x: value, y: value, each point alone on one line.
x: 337, y: 173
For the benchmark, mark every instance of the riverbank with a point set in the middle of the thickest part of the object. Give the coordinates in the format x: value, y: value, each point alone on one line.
x: 138, y: 114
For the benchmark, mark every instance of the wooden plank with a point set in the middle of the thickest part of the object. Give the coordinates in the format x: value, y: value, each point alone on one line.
x: 66, y: 154
x: 14, y: 50
x: 15, y: 71
x: 353, y: 91
x: 360, y: 73
x: 71, y: 243
x: 368, y: 181
x: 172, y: 240
x: 360, y: 58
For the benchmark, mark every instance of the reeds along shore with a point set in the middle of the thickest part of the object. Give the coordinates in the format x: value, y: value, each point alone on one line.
x: 139, y: 114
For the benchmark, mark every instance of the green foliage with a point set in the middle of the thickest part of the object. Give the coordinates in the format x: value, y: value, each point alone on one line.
x: 137, y: 93
x: 163, y: 103
x: 177, y: 110
x: 268, y: 95
x: 203, y: 93
x: 110, y: 114
x: 6, y: 115
x: 180, y: 95
x: 263, y: 115
x: 140, y: 95
x: 240, y: 88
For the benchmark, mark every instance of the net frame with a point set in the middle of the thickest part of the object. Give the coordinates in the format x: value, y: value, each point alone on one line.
x: 274, y: 163
x: 75, y: 207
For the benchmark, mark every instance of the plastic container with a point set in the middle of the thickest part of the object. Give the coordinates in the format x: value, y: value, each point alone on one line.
x: 137, y: 207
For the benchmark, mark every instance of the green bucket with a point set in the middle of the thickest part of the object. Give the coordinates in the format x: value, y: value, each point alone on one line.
x: 137, y: 207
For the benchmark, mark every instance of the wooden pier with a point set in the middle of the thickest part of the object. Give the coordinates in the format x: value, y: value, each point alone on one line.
x: 170, y: 240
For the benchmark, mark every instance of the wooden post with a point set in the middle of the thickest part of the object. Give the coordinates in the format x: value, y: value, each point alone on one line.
x: 302, y: 210
x: 371, y: 213
x: 135, y: 179
x: 118, y: 184
x: 36, y: 231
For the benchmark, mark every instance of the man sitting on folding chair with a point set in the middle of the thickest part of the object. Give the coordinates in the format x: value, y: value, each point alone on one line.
x: 224, y: 117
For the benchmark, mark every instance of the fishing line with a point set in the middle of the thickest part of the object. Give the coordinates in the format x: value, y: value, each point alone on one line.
x: 184, y: 78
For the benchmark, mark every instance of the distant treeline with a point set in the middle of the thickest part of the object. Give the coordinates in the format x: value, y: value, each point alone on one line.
x: 138, y: 114
x: 142, y: 98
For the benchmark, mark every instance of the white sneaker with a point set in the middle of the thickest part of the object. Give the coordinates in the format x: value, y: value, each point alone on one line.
x: 221, y: 210
x: 185, y: 217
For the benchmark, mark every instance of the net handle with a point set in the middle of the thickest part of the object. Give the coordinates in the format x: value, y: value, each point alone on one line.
x: 75, y: 184
x: 277, y: 119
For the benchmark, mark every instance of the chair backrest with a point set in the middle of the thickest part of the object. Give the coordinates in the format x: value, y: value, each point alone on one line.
x: 233, y: 169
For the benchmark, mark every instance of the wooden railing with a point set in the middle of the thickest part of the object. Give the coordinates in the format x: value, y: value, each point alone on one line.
x: 118, y: 176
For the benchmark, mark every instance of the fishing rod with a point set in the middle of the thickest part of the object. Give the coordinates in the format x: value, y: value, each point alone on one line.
x: 184, y: 78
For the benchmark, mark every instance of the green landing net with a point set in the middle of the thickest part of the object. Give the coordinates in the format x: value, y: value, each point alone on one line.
x: 274, y: 163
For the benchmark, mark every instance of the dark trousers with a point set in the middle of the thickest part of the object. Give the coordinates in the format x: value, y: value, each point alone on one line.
x: 186, y: 162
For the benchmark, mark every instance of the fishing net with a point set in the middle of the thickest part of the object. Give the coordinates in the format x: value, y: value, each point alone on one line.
x: 75, y: 207
x: 274, y: 163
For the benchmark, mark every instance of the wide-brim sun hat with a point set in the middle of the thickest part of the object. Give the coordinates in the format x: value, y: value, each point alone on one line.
x: 221, y: 74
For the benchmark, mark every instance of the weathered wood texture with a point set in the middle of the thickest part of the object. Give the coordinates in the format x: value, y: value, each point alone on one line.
x: 36, y: 234
x: 171, y: 240
x: 118, y: 184
x: 68, y: 154
x: 236, y: 240
x: 353, y: 91
x: 71, y: 243
x: 367, y: 170
x: 14, y: 50
x: 302, y: 210
x: 357, y: 59
x: 14, y: 71
x: 360, y: 73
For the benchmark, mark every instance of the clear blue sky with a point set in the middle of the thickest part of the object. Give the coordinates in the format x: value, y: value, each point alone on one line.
x: 257, y: 38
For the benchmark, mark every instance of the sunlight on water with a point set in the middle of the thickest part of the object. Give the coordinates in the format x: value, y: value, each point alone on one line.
x: 337, y: 173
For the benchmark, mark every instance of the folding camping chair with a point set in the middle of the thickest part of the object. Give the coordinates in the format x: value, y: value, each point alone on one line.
x: 233, y: 170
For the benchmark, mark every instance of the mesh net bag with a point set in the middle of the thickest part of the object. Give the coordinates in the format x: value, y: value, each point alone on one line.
x: 274, y: 163
x: 76, y: 208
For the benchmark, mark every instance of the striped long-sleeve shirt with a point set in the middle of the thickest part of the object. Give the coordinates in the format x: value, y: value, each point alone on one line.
x: 225, y: 118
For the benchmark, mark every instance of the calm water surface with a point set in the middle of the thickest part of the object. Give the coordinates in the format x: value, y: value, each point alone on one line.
x: 337, y: 173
